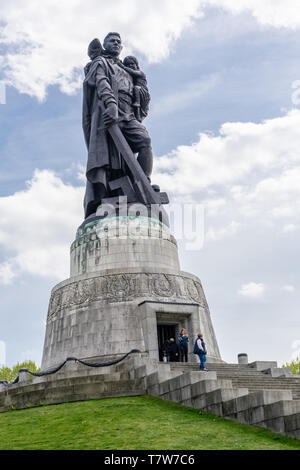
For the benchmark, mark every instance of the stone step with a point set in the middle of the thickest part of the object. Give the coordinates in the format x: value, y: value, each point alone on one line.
x: 241, y: 383
x: 296, y: 396
x: 238, y: 374
x: 264, y: 385
x: 192, y: 366
x: 285, y: 382
x: 262, y: 377
x: 227, y: 372
x: 213, y: 365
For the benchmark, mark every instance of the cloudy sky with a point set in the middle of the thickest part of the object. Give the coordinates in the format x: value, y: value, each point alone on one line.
x: 224, y: 77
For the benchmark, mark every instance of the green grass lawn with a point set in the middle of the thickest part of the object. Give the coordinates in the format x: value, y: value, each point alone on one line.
x: 131, y: 423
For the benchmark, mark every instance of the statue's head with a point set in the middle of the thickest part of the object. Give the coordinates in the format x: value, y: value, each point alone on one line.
x: 131, y: 62
x: 113, y: 44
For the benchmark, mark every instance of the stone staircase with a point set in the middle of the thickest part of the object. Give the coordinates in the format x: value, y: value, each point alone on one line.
x: 247, y: 376
x: 258, y: 394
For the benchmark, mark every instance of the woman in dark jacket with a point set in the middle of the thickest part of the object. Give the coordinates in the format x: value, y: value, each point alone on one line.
x: 183, y: 345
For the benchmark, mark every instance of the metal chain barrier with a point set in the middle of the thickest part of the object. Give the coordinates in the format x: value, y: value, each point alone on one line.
x: 56, y: 369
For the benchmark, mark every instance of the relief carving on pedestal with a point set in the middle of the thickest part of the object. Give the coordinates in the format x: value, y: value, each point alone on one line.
x: 162, y: 285
x: 193, y: 290
x: 127, y: 287
x: 118, y: 286
x: 55, y: 302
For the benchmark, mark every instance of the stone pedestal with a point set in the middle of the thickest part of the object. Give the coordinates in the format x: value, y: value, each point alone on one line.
x: 125, y: 280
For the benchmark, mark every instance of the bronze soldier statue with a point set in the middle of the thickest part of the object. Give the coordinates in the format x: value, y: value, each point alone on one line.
x: 116, y: 98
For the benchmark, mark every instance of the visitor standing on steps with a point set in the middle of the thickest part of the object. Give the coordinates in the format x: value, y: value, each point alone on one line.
x: 200, y: 350
x: 166, y: 350
x: 183, y: 345
x: 173, y: 351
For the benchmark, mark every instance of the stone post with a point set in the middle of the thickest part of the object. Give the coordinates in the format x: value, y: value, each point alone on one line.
x: 23, y: 377
x: 243, y: 358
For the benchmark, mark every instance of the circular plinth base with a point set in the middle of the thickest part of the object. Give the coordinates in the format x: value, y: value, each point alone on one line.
x: 121, y: 243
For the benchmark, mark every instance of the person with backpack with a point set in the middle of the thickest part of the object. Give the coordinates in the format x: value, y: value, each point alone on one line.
x: 183, y: 340
x: 200, y: 350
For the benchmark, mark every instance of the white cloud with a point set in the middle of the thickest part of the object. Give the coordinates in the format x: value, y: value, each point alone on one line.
x: 252, y: 290
x: 214, y: 205
x: 7, y: 273
x: 48, y: 40
x: 251, y: 168
x: 289, y: 228
x: 37, y: 227
x: 276, y: 197
x: 275, y: 13
x: 216, y: 234
x: 238, y: 150
x: 288, y: 288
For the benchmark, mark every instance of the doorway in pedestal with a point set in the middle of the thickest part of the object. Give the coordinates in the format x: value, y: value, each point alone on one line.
x: 165, y: 332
